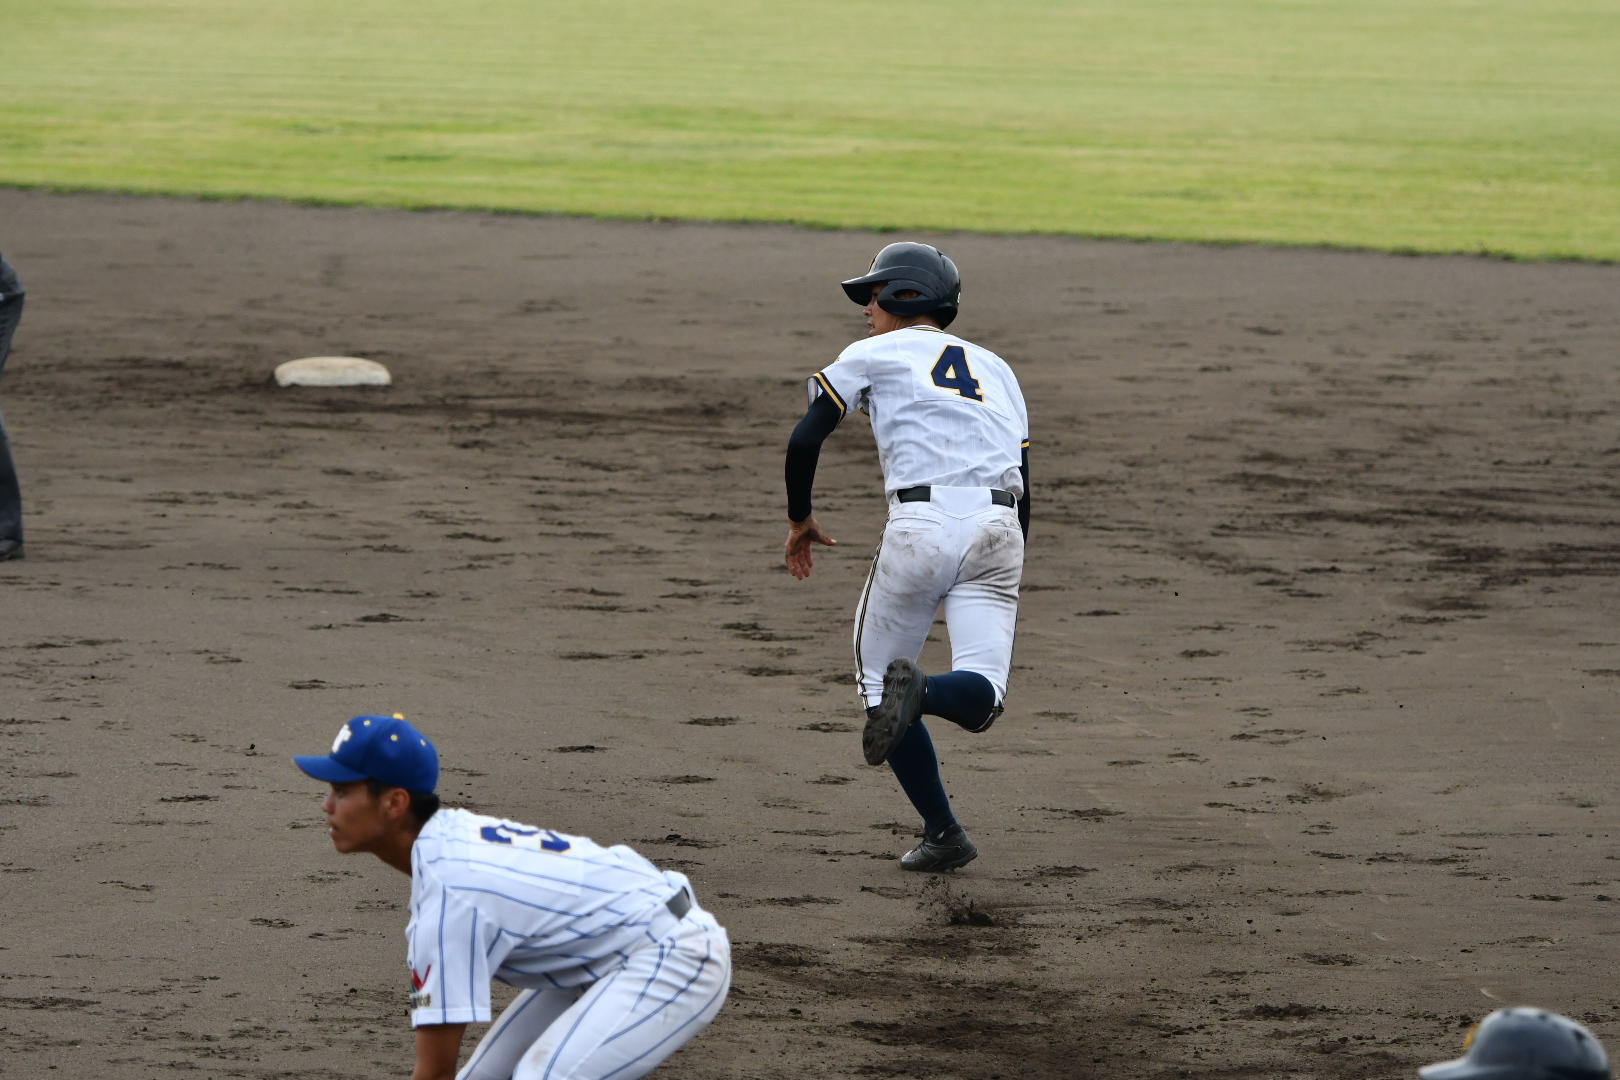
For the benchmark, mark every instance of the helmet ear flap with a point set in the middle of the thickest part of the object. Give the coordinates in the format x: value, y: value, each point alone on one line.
x: 890, y: 300
x: 928, y: 302
x: 912, y: 267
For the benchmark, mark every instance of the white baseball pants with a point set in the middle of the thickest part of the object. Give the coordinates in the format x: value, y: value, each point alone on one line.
x: 959, y: 548
x: 620, y: 1027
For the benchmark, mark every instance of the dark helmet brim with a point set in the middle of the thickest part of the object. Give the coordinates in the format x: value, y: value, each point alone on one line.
x: 915, y: 278
x: 859, y: 289
x: 910, y: 267
x: 907, y: 265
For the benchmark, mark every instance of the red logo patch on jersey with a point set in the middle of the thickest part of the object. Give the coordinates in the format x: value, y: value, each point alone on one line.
x: 419, y: 981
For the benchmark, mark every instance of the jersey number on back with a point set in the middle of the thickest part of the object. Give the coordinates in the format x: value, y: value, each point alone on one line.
x: 502, y: 834
x: 951, y: 372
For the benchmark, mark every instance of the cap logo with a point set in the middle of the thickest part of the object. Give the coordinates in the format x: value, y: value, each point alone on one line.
x: 377, y: 748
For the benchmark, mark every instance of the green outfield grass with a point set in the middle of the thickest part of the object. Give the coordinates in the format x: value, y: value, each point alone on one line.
x: 1420, y: 125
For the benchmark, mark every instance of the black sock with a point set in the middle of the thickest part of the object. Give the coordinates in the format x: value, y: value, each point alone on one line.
x: 917, y: 768
x: 962, y: 697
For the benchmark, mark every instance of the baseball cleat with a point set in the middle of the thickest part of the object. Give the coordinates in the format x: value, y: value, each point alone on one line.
x: 950, y: 849
x: 888, y: 721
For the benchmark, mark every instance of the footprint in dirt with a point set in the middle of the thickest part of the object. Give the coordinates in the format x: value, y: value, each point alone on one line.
x: 777, y: 954
x: 1271, y: 736
x: 1061, y: 871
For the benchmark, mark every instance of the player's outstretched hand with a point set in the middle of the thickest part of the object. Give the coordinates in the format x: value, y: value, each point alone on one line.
x: 801, y: 534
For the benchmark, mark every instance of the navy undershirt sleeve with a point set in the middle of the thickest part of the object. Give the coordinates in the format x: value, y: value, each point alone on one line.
x: 1023, y: 504
x: 804, y: 450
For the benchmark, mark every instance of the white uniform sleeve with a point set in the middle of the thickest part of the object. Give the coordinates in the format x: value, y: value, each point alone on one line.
x: 847, y: 380
x: 449, y: 954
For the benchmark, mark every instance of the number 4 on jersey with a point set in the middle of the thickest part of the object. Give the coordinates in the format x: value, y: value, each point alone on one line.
x: 951, y: 372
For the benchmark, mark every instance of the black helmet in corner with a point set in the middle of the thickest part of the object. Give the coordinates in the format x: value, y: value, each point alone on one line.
x: 1526, y: 1044
x: 910, y: 267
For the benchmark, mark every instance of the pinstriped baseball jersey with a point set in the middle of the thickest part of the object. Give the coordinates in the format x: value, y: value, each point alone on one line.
x: 493, y: 899
x: 944, y: 411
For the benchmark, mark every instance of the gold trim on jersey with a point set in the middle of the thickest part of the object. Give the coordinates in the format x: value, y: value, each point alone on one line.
x: 826, y: 387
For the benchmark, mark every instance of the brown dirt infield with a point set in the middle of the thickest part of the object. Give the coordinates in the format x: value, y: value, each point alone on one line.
x: 1308, y: 761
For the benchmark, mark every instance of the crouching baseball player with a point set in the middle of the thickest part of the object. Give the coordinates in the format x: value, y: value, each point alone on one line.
x: 952, y: 437
x: 619, y: 966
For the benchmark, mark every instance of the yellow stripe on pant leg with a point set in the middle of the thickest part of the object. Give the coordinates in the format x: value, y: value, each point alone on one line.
x: 860, y: 621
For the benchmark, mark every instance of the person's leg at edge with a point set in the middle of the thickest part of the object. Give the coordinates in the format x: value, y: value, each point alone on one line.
x: 11, y: 528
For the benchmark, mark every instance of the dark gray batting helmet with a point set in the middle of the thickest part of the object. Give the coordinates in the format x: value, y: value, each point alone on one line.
x: 1526, y: 1044
x: 911, y: 267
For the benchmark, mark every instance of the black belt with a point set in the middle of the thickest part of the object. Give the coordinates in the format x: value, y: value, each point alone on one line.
x: 679, y: 904
x: 925, y: 493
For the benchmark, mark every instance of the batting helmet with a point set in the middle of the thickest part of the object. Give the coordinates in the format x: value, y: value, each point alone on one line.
x: 911, y: 267
x: 1526, y: 1044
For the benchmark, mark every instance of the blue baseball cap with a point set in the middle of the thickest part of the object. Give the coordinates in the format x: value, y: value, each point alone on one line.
x: 383, y: 748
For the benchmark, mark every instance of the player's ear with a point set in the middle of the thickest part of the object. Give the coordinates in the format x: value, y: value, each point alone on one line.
x: 396, y: 804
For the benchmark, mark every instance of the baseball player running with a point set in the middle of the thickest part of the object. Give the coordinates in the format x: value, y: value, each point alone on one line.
x: 619, y: 966
x: 952, y: 437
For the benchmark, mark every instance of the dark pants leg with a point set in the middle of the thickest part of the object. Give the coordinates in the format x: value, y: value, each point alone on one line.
x: 10, y: 495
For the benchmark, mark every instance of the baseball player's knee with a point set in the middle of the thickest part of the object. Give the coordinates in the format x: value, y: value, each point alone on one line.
x: 984, y: 724
x: 965, y: 698
x: 478, y: 1071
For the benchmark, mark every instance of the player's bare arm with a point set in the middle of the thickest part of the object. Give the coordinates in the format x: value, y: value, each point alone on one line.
x: 438, y: 1046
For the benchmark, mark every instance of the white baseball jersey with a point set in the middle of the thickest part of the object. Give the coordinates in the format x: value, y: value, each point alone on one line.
x: 494, y: 899
x: 944, y: 411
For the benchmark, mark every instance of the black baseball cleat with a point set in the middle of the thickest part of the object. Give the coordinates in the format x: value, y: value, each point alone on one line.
x: 10, y: 549
x: 950, y: 849
x: 888, y: 721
